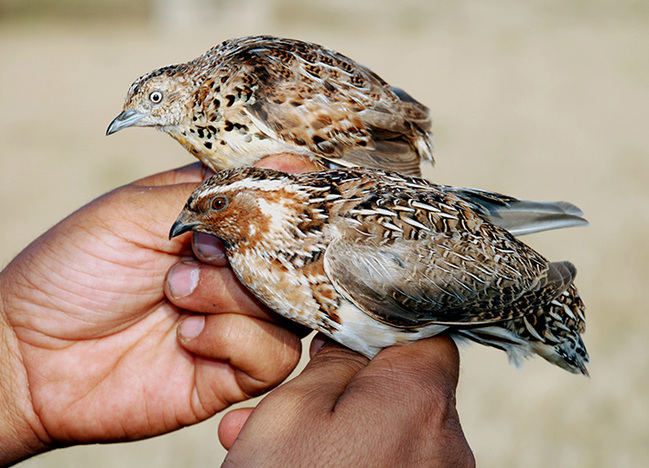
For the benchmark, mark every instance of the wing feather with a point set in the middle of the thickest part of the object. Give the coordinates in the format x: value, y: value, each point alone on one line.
x: 461, y: 269
x: 318, y: 100
x: 521, y: 217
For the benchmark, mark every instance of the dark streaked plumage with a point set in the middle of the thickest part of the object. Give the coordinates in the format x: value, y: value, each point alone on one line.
x: 254, y: 96
x: 373, y: 259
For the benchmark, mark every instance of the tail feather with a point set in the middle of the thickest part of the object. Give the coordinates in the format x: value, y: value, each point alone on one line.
x: 521, y: 217
x: 564, y: 320
x: 553, y: 332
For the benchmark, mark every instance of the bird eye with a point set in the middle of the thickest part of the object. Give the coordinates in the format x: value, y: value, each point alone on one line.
x: 155, y: 97
x: 219, y: 203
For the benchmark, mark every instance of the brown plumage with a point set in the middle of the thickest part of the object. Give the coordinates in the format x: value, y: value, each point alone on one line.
x: 374, y: 258
x: 259, y: 95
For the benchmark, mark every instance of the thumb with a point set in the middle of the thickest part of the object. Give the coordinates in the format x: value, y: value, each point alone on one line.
x: 231, y: 425
x: 429, y: 368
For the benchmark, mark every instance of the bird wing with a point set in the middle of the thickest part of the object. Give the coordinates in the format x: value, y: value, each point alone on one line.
x: 520, y: 217
x: 319, y: 100
x: 454, y: 275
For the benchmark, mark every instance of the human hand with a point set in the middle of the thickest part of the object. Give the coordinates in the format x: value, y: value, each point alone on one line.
x: 88, y: 339
x: 396, y: 410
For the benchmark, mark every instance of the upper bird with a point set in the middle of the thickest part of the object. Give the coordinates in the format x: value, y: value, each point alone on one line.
x: 254, y: 96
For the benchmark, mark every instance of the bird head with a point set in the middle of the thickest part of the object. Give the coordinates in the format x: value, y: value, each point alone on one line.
x: 243, y: 206
x: 157, y: 99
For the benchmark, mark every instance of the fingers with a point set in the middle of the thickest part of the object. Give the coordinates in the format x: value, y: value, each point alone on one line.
x: 414, y: 385
x: 320, y: 384
x: 195, y: 172
x: 428, y: 368
x: 290, y: 163
x: 370, y: 413
x: 335, y: 364
x: 231, y: 425
x: 261, y: 353
x: 198, y: 287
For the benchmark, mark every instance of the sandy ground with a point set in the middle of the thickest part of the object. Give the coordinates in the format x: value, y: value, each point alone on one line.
x: 535, y: 99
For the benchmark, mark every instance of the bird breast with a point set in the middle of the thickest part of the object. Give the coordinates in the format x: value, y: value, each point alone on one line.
x: 280, y: 285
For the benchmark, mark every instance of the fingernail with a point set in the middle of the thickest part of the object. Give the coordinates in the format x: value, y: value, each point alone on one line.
x: 191, y: 327
x: 208, y: 248
x: 183, y: 279
x: 317, y: 343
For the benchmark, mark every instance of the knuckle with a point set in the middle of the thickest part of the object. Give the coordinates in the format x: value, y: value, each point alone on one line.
x: 335, y: 354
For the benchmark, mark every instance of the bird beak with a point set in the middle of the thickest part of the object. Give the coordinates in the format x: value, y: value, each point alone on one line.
x: 182, y: 225
x: 123, y: 120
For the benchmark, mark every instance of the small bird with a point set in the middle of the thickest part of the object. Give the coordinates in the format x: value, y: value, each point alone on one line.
x: 374, y: 258
x: 254, y: 96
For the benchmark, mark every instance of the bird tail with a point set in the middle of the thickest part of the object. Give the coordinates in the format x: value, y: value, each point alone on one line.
x: 562, y: 322
x: 553, y: 331
x: 521, y: 217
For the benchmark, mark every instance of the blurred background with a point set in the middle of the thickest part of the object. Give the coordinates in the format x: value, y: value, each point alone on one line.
x: 544, y: 100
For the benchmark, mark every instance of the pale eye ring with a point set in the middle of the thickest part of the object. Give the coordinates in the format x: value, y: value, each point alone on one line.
x: 155, y: 97
x: 219, y: 203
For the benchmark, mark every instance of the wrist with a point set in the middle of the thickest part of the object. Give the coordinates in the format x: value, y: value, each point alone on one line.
x: 18, y: 422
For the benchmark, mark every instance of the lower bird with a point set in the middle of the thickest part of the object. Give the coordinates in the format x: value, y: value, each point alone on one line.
x: 373, y: 259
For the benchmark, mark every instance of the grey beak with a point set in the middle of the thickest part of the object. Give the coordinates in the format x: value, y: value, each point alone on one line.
x: 180, y: 227
x: 123, y: 120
